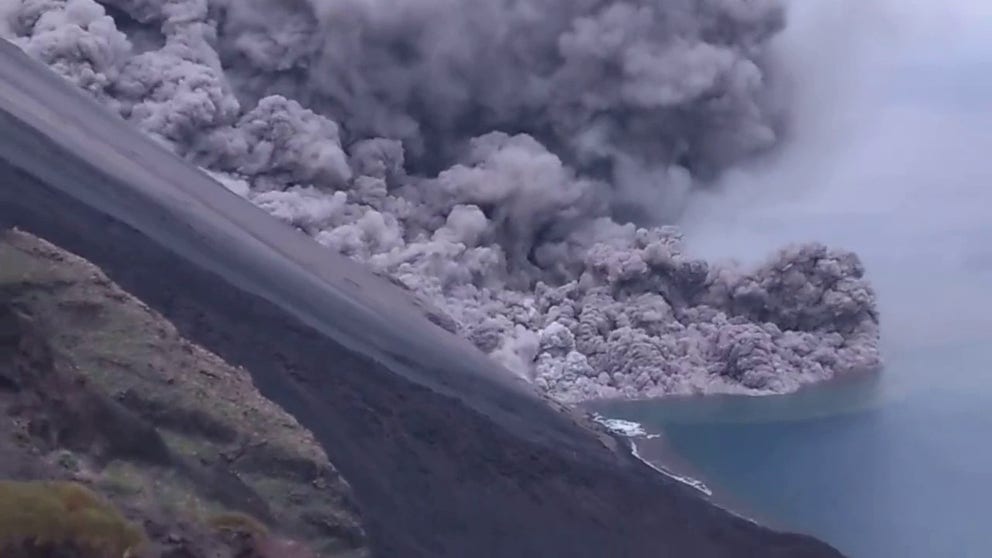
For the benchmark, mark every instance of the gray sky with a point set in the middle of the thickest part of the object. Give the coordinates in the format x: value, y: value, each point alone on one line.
x: 892, y: 158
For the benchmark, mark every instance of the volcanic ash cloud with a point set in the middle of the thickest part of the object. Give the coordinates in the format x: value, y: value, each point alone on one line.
x: 511, y: 162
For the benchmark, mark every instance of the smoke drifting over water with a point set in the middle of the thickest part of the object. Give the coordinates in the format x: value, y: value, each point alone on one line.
x: 890, y: 157
x: 512, y: 162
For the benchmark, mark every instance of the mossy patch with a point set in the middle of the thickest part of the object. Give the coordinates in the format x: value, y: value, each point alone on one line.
x: 238, y: 523
x: 53, y: 514
x: 219, y: 444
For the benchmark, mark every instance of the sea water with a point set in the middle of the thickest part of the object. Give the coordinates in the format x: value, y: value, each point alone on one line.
x: 876, y: 472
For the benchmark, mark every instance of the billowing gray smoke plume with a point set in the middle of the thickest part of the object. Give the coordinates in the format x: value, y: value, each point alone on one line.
x: 508, y: 161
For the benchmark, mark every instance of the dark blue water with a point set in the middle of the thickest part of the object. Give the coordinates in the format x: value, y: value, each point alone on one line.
x: 877, y: 468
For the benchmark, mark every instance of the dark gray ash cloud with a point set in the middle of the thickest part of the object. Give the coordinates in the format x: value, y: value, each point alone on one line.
x: 511, y: 162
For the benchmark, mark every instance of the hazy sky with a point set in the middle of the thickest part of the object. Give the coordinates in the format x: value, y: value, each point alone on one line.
x: 892, y: 157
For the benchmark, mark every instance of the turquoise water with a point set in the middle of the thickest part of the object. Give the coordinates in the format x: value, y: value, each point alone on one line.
x: 876, y: 470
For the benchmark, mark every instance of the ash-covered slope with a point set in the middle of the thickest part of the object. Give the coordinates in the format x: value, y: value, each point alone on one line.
x: 509, y: 161
x: 445, y: 460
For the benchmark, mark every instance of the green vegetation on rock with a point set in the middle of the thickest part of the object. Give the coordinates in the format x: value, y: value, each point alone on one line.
x: 238, y: 523
x: 103, y: 390
x: 63, y: 515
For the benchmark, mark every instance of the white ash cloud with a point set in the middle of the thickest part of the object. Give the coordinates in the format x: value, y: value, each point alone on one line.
x: 486, y: 155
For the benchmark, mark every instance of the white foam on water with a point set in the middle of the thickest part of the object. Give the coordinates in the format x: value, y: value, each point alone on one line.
x: 626, y: 428
x: 689, y: 481
x: 631, y: 429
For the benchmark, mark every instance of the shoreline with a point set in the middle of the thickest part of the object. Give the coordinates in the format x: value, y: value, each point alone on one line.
x: 654, y: 450
x: 664, y: 467
x: 848, y: 394
x: 854, y: 378
x: 665, y: 463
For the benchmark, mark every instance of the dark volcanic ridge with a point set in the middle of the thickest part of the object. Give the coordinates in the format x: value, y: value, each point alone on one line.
x: 509, y: 162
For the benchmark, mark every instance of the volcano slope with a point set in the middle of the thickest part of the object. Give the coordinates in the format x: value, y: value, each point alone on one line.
x: 446, y: 458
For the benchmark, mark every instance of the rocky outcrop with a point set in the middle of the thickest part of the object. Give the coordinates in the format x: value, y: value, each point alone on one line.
x: 98, y: 388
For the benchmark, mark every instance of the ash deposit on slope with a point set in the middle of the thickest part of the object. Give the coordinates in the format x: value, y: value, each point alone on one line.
x: 511, y: 162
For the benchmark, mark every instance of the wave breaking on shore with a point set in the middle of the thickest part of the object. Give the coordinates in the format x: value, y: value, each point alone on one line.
x: 631, y: 430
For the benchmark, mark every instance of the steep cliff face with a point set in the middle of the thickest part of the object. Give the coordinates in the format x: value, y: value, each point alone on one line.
x: 100, y: 389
